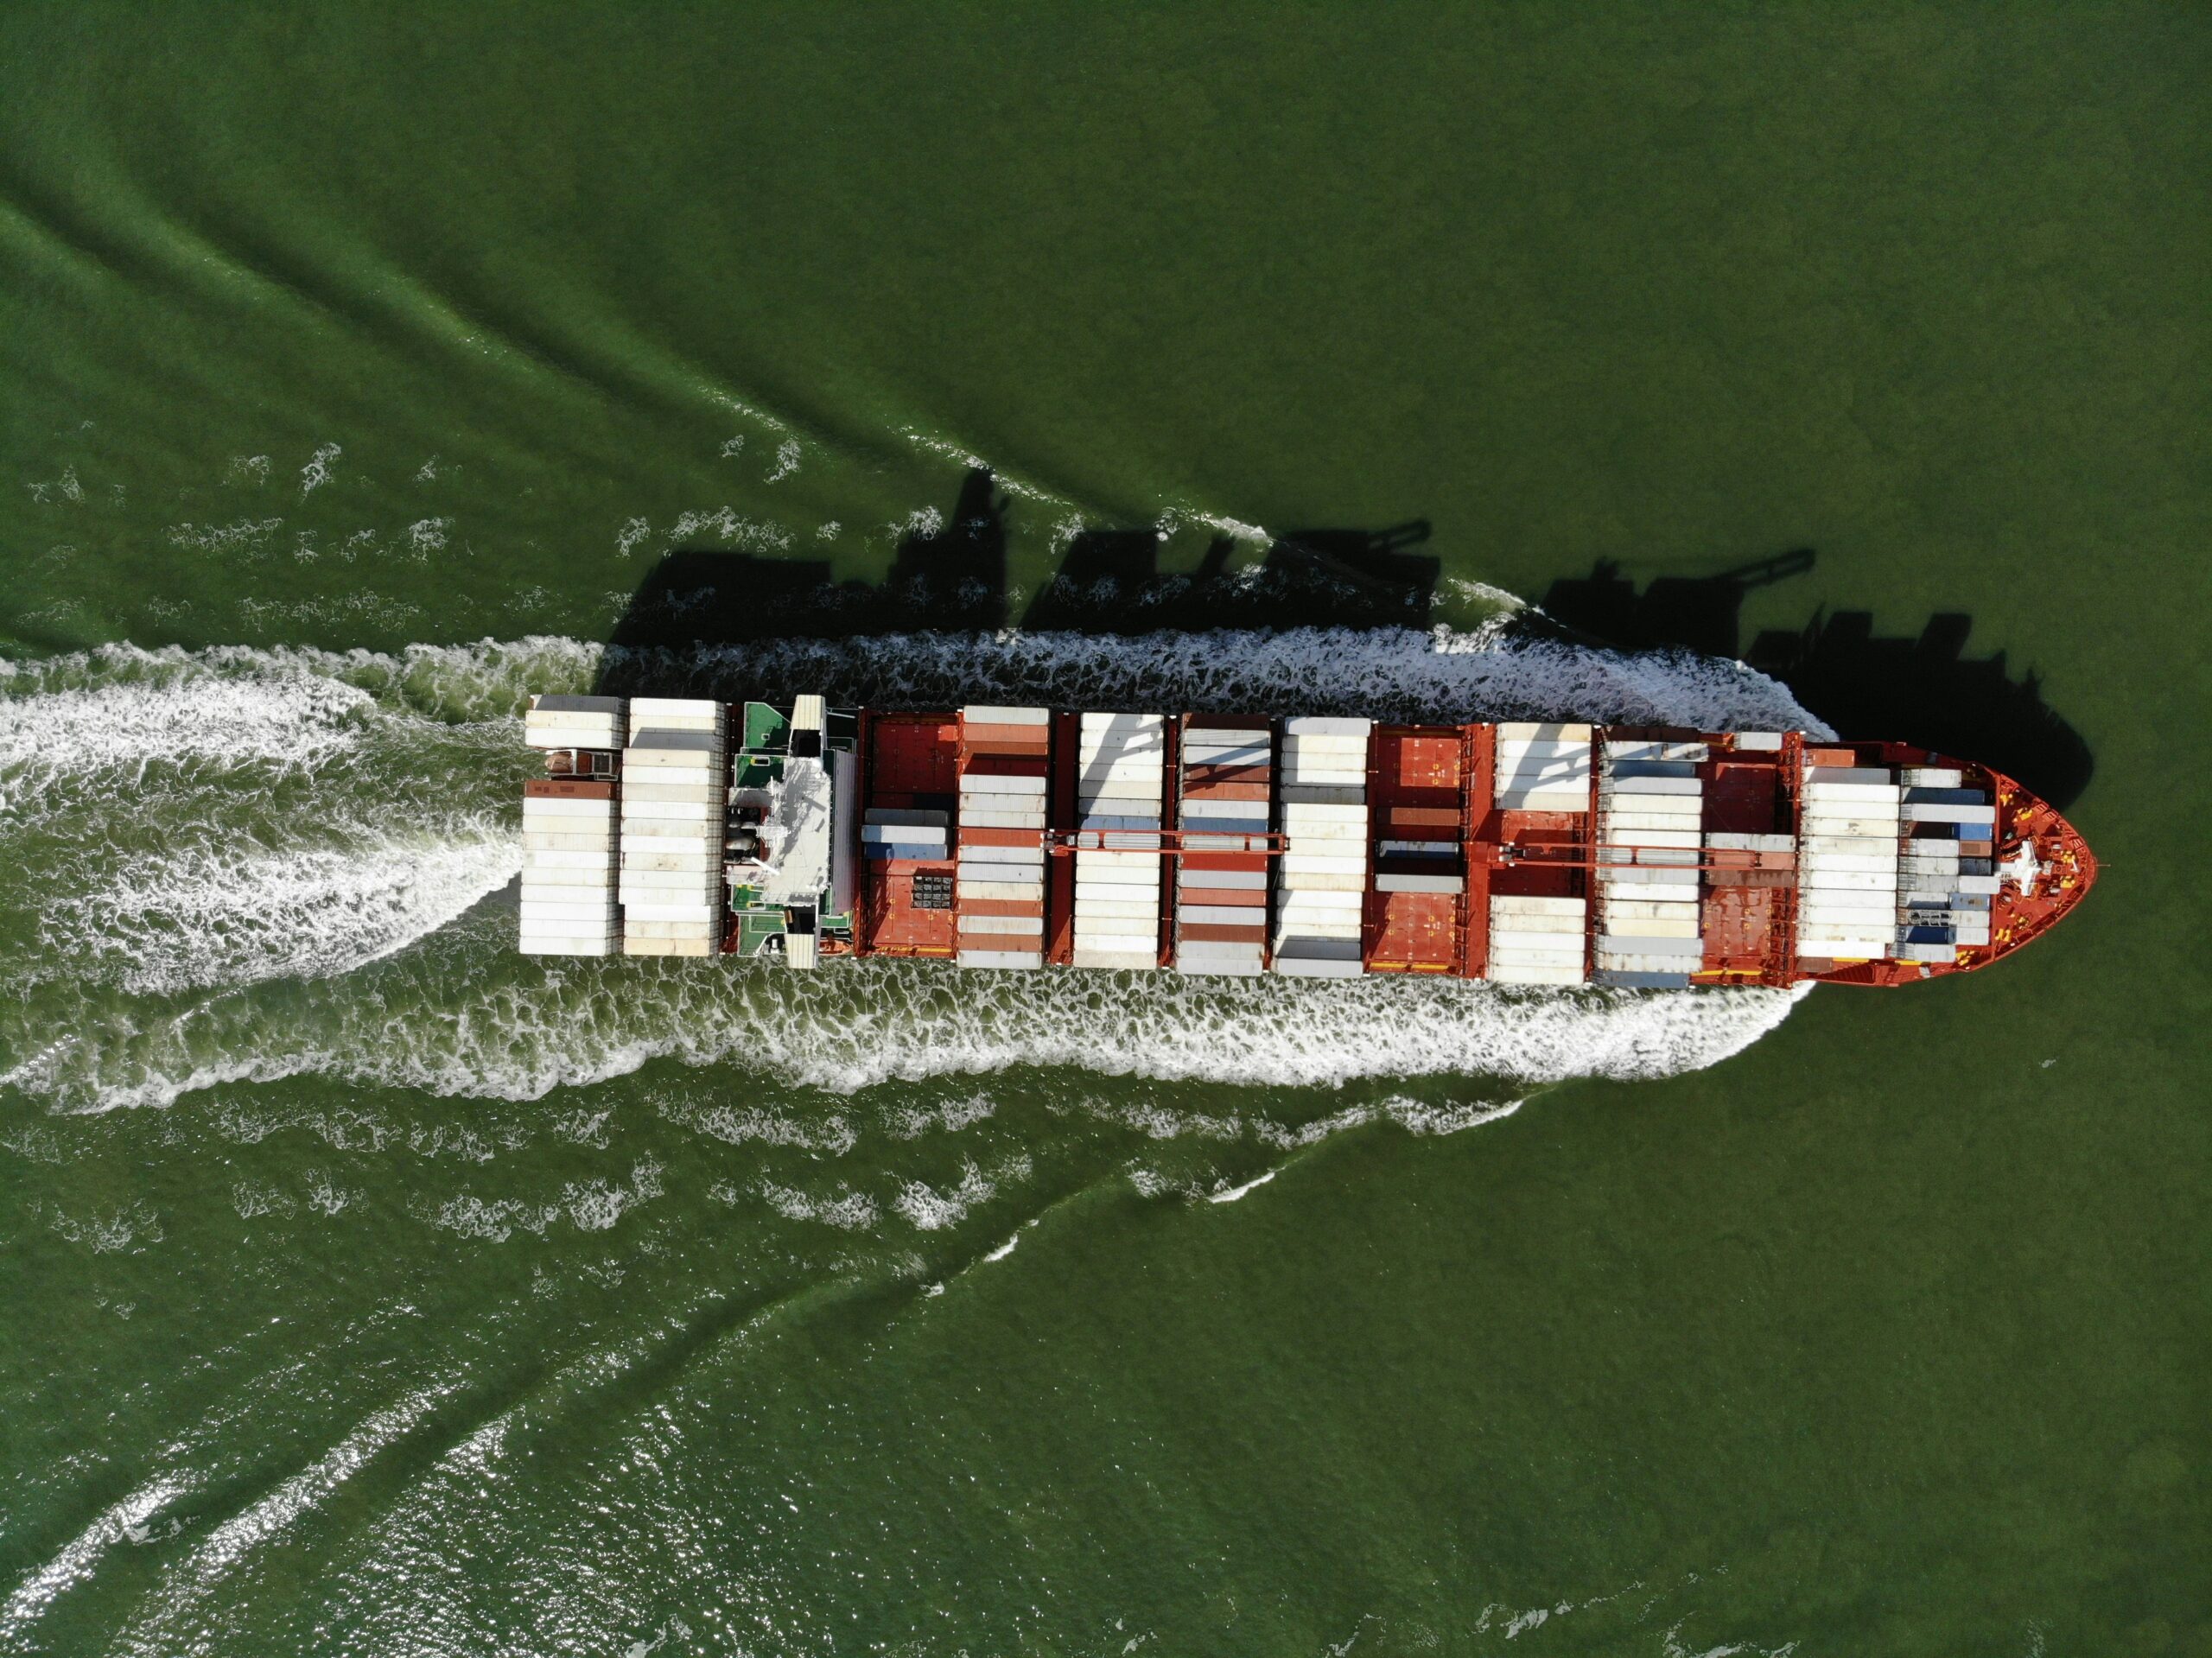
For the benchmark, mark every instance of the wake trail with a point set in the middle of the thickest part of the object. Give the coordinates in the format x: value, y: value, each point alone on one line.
x: 244, y: 865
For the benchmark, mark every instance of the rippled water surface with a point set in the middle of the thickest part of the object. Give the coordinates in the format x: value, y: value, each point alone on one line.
x: 367, y: 1287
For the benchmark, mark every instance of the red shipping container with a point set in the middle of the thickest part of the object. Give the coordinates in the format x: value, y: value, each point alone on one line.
x: 1215, y: 933
x: 999, y: 905
x: 1001, y: 836
x: 1239, y: 860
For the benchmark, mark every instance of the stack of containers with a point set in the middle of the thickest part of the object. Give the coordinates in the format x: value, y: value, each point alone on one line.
x: 1221, y: 882
x: 1538, y: 940
x: 1947, y: 883
x: 569, y: 833
x: 1846, y: 860
x: 1650, y: 834
x: 1002, y: 783
x: 1323, y: 871
x: 1121, y: 782
x: 675, y: 798
x: 1541, y: 766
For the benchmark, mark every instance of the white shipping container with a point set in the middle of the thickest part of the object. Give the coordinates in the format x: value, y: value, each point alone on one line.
x: 1016, y: 890
x: 690, y: 793
x: 1535, y: 923
x: 1088, y: 864
x: 1867, y: 793
x: 1321, y: 881
x: 1512, y: 953
x: 1852, y: 845
x: 1025, y: 854
x: 1637, y: 927
x: 1327, y: 725
x: 1847, y: 880
x: 1310, y: 928
x: 669, y: 812
x: 1504, y: 904
x: 1821, y: 828
x: 694, y: 843
x: 1318, y: 901
x: 597, y: 727
x: 1242, y: 881
x: 569, y: 840
x: 1530, y: 973
x: 599, y: 913
x: 1114, y: 961
x: 1132, y: 944
x: 1640, y: 905
x: 1115, y: 874
x: 606, y: 738
x: 697, y: 862
x: 669, y: 947
x: 567, y: 811
x: 654, y: 711
x: 988, y: 714
x: 1311, y: 863
x: 1114, y: 902
x: 1830, y: 862
x: 1818, y: 776
x: 1002, y: 960
x: 1145, y: 762
x: 672, y: 909
x: 670, y: 765
x: 1965, y: 816
x: 976, y: 783
x: 1844, y: 949
x: 1514, y: 730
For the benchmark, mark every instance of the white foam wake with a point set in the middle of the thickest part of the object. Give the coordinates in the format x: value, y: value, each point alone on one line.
x: 233, y: 913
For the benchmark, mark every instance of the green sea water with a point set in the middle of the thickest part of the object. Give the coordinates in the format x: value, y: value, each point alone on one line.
x: 366, y: 1288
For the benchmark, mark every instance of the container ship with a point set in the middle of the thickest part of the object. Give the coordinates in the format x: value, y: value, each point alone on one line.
x: 1550, y: 853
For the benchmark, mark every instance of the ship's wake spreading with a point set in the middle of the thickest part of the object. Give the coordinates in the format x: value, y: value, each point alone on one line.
x: 242, y: 864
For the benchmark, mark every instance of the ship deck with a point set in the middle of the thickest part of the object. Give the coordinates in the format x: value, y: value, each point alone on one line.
x: 1436, y: 810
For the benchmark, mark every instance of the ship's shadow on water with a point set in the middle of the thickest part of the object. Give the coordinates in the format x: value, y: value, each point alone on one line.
x: 953, y: 576
x: 1923, y: 689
